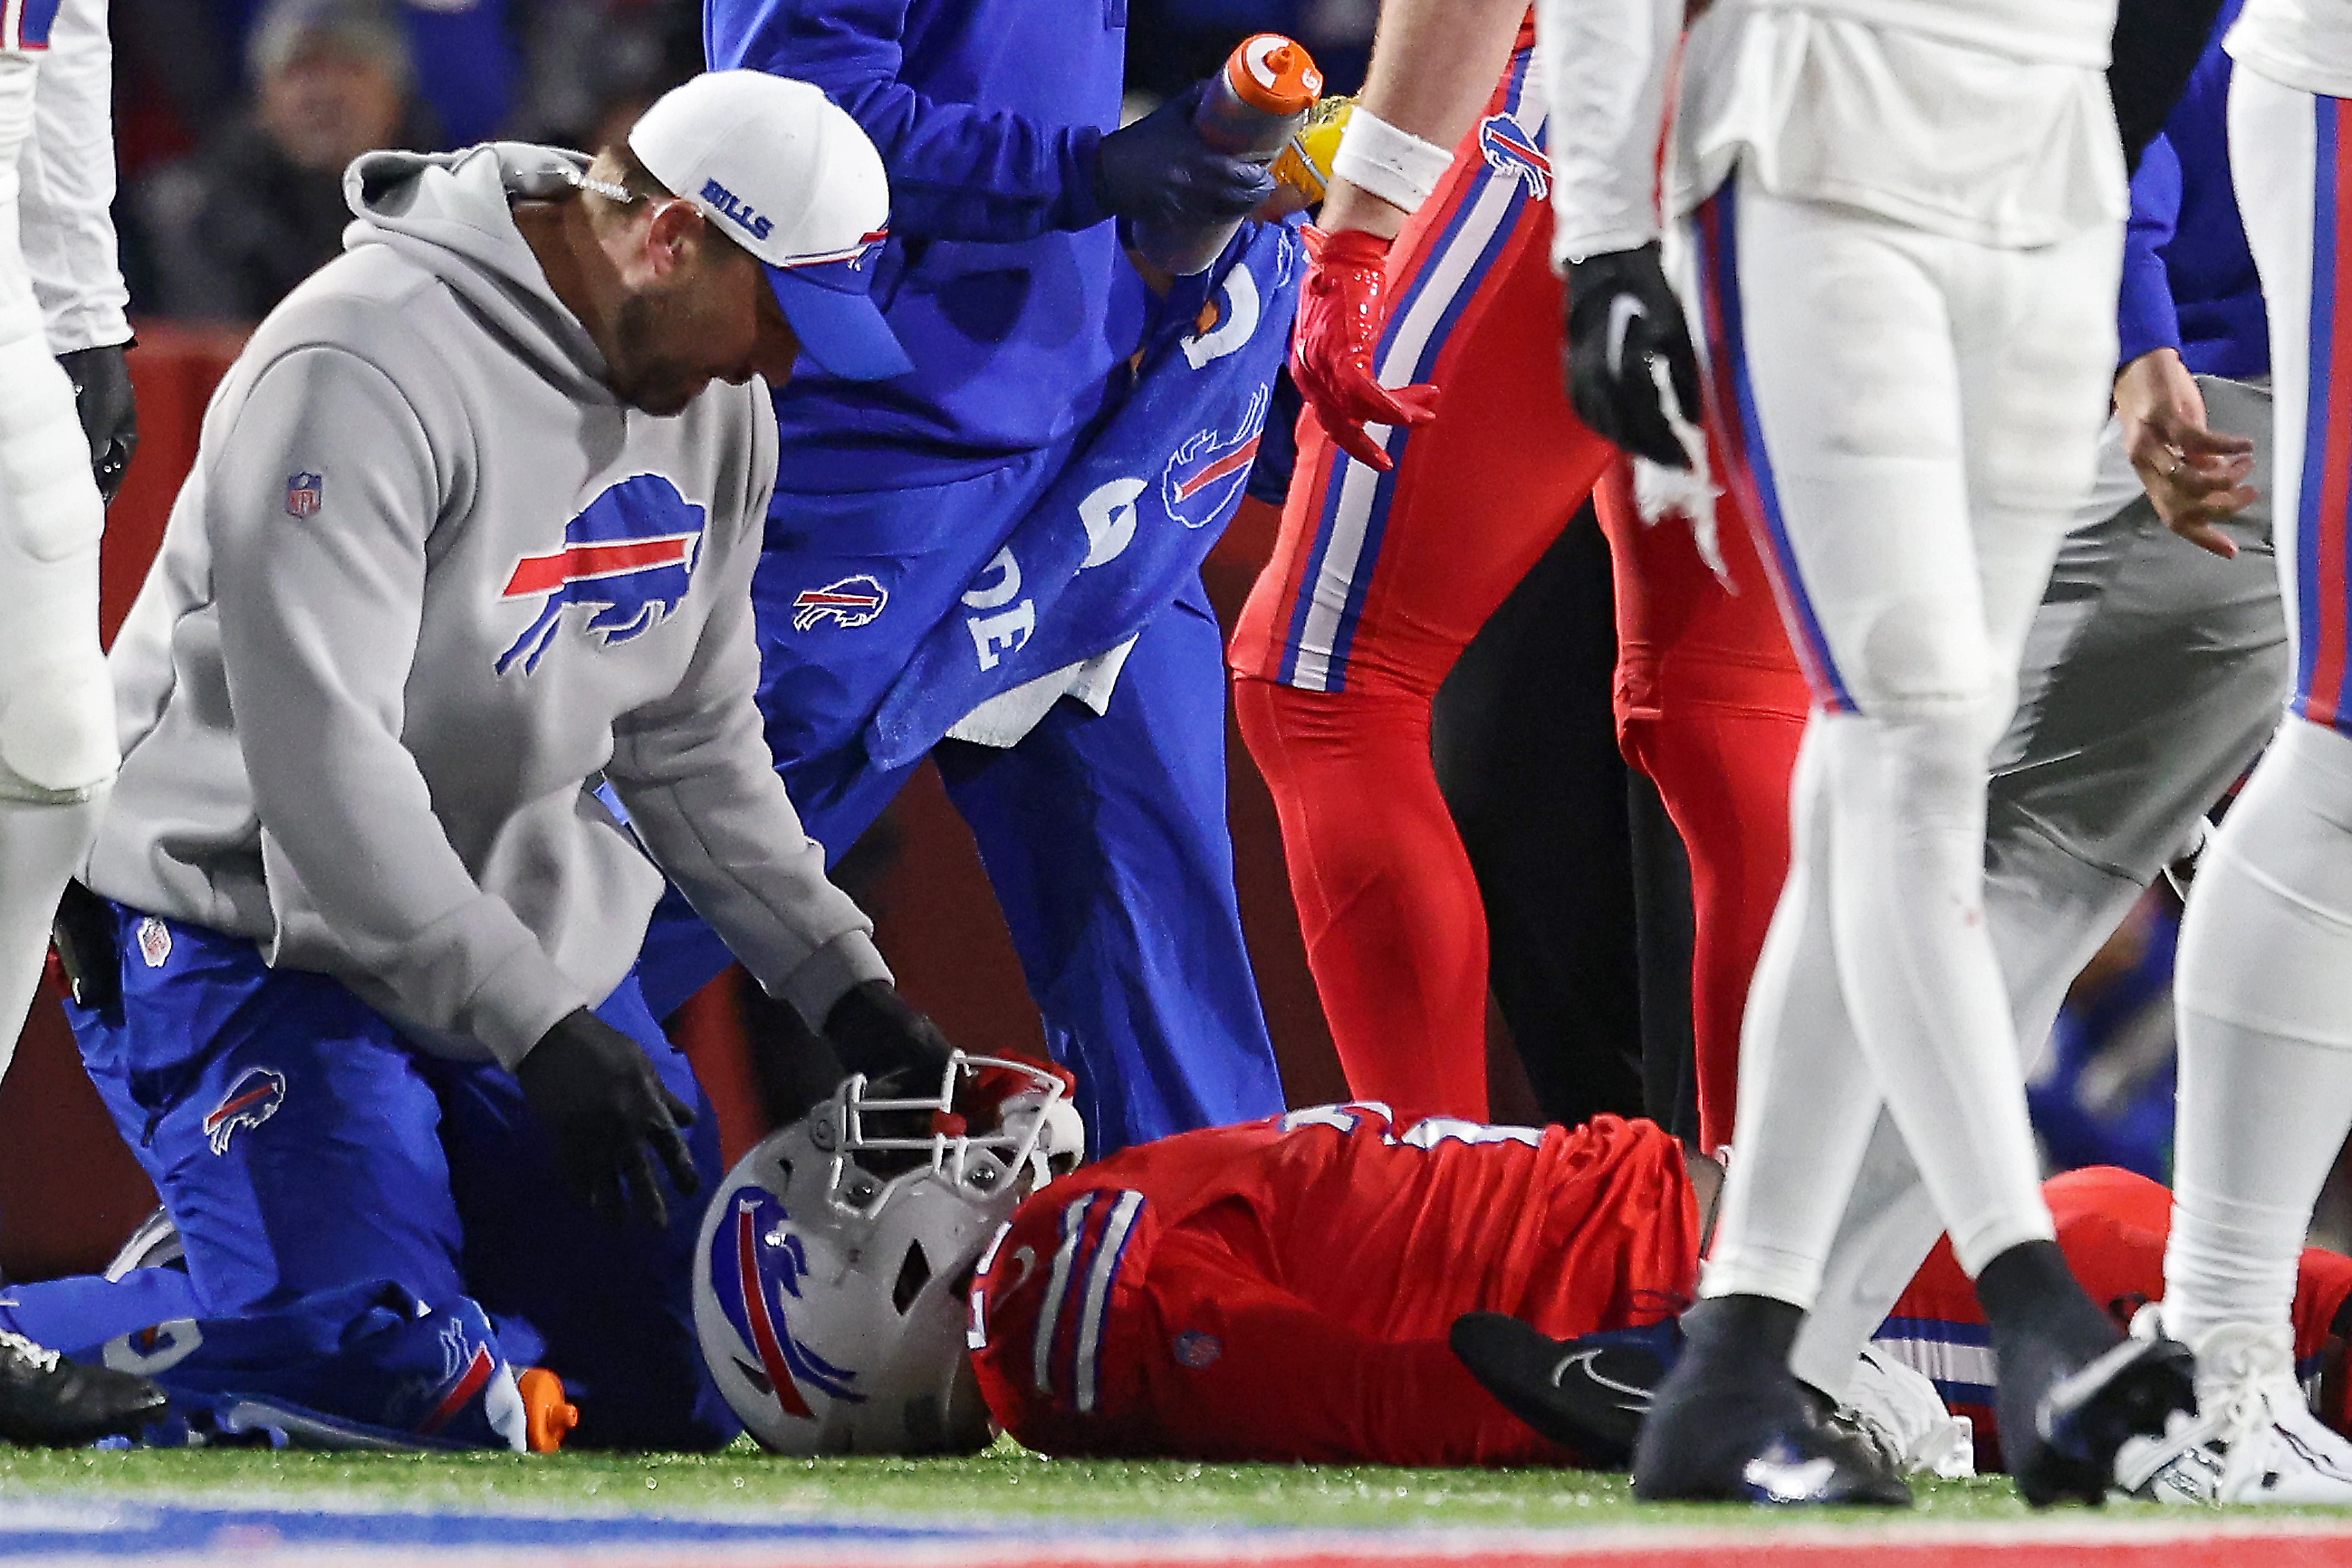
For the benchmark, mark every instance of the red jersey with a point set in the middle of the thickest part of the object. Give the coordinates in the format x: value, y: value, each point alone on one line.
x: 2111, y: 1225
x: 1284, y: 1289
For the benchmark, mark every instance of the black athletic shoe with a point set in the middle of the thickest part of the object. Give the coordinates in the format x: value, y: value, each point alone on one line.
x: 1731, y: 1423
x: 2071, y: 1417
x: 48, y: 1402
x: 1732, y: 1446
x: 1586, y: 1394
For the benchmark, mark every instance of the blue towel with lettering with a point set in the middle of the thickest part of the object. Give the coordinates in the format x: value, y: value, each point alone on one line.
x: 1131, y: 518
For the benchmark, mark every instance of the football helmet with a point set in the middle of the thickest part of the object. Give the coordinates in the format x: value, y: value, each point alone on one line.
x: 834, y: 1260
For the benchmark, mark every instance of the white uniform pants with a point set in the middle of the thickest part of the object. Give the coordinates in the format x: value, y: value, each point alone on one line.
x: 2264, y: 984
x: 57, y: 711
x: 1918, y: 417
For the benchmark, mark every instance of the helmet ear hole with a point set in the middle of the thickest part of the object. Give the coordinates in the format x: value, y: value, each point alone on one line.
x: 914, y: 1273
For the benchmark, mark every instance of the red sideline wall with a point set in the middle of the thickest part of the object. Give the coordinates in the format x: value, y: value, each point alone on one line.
x: 69, y: 1191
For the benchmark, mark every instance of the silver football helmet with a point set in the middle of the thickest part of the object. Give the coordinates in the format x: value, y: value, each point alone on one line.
x: 835, y: 1261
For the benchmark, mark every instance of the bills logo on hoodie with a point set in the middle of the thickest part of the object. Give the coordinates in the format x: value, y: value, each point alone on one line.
x: 625, y: 565
x: 251, y: 1100
x: 1507, y: 148
x: 1208, y: 471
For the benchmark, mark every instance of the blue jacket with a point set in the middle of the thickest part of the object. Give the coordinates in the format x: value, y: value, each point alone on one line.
x: 2188, y: 278
x: 1003, y: 278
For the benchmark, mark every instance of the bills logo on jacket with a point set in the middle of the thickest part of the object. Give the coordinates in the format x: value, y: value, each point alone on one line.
x: 851, y: 602
x: 627, y: 563
x: 1507, y: 148
x: 251, y: 1100
x: 305, y: 493
x: 770, y: 1263
x: 1205, y: 478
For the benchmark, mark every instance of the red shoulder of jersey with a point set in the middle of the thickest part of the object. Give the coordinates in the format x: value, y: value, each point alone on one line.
x: 1050, y: 1314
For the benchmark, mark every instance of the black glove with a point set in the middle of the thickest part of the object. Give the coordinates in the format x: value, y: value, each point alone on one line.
x: 1159, y: 172
x: 1622, y: 315
x: 596, y: 1094
x: 107, y: 411
x: 878, y: 1033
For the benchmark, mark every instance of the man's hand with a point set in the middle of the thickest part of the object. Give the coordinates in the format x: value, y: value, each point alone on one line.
x: 592, y: 1088
x: 2195, y: 477
x: 107, y: 411
x: 879, y: 1032
x: 1342, y: 310
x: 1622, y: 315
x: 1159, y: 172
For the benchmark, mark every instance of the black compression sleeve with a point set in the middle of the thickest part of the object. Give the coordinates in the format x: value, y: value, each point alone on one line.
x: 2157, y: 44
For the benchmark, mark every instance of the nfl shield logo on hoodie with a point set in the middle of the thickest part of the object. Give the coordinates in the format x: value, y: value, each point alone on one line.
x: 304, y: 494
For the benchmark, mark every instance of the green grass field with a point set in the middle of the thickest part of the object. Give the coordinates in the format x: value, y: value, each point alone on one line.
x: 1006, y: 1480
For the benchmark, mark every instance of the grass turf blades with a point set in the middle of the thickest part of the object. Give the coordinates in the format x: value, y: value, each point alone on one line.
x: 1006, y: 1480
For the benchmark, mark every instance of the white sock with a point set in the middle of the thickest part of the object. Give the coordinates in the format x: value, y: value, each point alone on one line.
x: 2264, y: 992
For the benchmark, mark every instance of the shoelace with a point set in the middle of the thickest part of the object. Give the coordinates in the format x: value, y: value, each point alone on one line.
x: 2250, y: 1370
x: 42, y: 1358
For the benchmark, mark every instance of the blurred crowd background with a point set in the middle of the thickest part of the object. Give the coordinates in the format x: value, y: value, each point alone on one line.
x: 234, y: 118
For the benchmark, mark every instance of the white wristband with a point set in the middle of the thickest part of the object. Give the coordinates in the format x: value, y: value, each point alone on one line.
x: 1395, y: 165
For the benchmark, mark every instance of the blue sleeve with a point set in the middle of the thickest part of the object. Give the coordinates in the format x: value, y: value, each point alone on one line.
x: 956, y: 171
x: 2146, y: 319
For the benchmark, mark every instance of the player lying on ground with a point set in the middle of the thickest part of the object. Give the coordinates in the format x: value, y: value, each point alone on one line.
x: 473, y: 521
x: 1284, y: 1290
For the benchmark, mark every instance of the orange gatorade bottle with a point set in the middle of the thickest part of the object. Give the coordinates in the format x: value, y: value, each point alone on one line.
x: 549, y: 1415
x: 1251, y: 110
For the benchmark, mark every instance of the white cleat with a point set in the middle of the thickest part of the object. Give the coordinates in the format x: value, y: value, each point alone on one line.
x: 2252, y: 1440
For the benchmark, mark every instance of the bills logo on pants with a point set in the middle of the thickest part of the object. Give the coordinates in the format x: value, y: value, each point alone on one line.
x: 627, y: 562
x: 1508, y: 149
x: 251, y: 1100
x: 851, y: 602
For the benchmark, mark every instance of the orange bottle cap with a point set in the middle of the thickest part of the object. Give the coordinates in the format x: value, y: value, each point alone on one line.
x: 1275, y: 74
x: 547, y: 1416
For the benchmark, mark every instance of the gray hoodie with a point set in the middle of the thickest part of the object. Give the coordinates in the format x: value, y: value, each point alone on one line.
x: 427, y: 579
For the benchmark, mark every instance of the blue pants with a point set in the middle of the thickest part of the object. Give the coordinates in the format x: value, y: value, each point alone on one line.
x: 1105, y: 835
x: 306, y: 1150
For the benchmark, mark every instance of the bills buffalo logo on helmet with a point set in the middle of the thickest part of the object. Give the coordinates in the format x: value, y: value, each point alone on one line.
x: 305, y: 493
x: 851, y: 602
x: 1507, y: 148
x: 770, y: 1263
x: 251, y: 1100
x: 1203, y: 481
x: 625, y: 565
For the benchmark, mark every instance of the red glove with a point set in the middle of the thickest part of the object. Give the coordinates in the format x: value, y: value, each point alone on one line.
x: 980, y: 1099
x: 1342, y: 310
